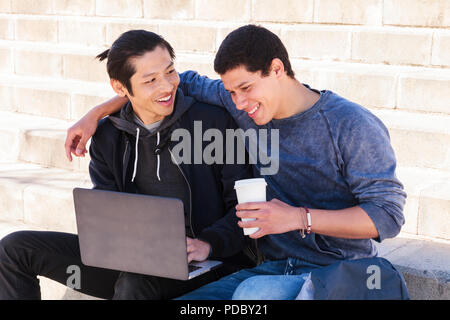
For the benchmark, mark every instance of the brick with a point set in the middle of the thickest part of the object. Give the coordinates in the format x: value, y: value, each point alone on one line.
x: 37, y: 63
x: 7, y: 103
x: 6, y: 28
x: 424, y: 92
x: 32, y: 6
x: 46, y: 147
x: 234, y: 10
x: 366, y: 87
x: 81, y: 32
x: 74, y: 7
x: 283, y: 10
x: 392, y: 47
x: 189, y: 37
x: 204, y: 65
x: 415, y: 180
x: 441, y: 49
x: 6, y: 61
x: 434, y: 13
x: 82, y: 103
x: 57, y: 214
x: 10, y: 142
x: 114, y: 30
x: 5, y: 6
x: 85, y: 68
x: 411, y: 212
x: 434, y: 218
x: 43, y: 102
x: 11, y: 204
x: 32, y: 29
x: 367, y: 12
x: 173, y: 10
x: 419, y: 139
x: 308, y: 42
x: 124, y: 8
x: 421, y: 149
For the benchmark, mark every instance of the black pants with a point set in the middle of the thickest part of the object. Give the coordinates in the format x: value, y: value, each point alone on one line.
x: 26, y: 254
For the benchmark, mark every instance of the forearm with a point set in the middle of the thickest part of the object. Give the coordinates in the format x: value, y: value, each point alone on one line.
x: 108, y: 107
x: 350, y: 223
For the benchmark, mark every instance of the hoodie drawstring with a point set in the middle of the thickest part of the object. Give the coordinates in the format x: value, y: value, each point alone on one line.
x: 137, y: 155
x: 136, y: 158
x: 157, y: 156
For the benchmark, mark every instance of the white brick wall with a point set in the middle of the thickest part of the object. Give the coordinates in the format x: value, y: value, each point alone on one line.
x: 367, y: 12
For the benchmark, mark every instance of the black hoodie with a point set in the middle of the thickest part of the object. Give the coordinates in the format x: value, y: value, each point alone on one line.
x: 208, y: 190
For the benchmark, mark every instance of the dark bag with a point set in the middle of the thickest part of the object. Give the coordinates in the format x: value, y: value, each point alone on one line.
x: 360, y: 279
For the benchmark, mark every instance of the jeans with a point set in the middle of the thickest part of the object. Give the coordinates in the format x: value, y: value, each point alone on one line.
x: 271, y: 280
x: 26, y: 254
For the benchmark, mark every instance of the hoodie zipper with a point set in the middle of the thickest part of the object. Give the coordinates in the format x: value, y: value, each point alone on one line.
x: 123, y: 162
x: 190, y: 193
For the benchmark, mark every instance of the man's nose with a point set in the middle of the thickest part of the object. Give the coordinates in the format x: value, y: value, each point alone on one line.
x: 240, y: 101
x: 166, y: 85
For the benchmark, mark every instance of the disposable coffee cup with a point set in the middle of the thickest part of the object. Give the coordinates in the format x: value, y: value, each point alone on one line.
x: 250, y: 190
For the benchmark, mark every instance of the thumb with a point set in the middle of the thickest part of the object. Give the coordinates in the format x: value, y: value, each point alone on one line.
x: 81, y: 146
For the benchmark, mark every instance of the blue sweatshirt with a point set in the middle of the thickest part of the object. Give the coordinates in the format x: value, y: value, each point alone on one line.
x: 335, y: 155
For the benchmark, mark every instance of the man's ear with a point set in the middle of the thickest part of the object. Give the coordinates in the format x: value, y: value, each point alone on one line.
x: 277, y: 67
x: 118, y: 88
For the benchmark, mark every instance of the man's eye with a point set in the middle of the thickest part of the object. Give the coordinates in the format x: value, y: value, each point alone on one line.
x: 245, y: 88
x: 150, y: 81
x: 171, y: 71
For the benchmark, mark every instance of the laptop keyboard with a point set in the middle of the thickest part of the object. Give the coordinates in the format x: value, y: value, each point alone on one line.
x: 193, y: 268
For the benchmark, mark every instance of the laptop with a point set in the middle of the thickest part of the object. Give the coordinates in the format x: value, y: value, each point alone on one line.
x: 135, y: 233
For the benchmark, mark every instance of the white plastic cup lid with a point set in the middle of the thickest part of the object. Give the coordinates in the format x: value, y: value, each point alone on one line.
x: 248, y: 182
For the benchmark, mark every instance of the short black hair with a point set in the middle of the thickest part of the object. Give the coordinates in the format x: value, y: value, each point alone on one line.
x: 130, y: 44
x: 253, y: 47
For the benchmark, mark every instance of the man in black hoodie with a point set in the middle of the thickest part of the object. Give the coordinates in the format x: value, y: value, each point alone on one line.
x: 132, y: 151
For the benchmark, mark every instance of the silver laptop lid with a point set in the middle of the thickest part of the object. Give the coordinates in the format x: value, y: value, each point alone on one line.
x: 131, y: 232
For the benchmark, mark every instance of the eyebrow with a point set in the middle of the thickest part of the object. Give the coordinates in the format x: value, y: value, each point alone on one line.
x: 153, y: 73
x: 239, y: 86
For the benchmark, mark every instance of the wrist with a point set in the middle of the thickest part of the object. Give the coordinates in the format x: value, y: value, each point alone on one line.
x: 97, y: 113
x: 304, y: 221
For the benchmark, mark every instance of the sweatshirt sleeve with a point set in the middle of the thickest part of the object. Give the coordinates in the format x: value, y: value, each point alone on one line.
x: 101, y: 175
x: 368, y: 163
x: 207, y: 90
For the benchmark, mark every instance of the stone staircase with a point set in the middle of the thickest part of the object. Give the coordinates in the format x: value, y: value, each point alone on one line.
x: 392, y: 56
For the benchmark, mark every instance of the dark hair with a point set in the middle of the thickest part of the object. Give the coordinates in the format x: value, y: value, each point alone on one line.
x: 133, y: 43
x: 253, y: 47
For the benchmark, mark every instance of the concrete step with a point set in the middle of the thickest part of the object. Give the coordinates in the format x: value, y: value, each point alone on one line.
x: 371, y: 44
x: 413, y: 88
x: 39, y: 196
x: 427, y: 209
x: 51, y: 97
x: 50, y: 289
x: 424, y: 263
x: 38, y: 140
x: 420, y: 140
x: 370, y: 12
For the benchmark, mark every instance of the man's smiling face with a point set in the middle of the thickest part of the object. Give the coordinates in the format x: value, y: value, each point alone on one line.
x: 154, y: 85
x: 253, y: 93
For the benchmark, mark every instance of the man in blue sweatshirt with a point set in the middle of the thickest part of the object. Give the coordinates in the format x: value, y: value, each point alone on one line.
x: 335, y: 191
